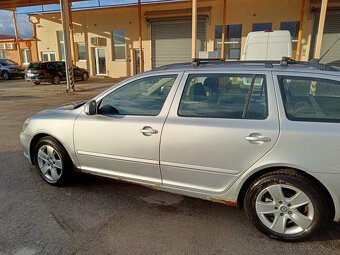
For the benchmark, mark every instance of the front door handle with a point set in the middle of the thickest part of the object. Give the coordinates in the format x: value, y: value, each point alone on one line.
x: 147, y: 131
x: 257, y: 138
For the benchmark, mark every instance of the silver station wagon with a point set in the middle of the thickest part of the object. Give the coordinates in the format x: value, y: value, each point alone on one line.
x: 263, y: 135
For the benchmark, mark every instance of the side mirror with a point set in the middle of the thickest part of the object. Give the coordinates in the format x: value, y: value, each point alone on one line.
x: 91, y: 108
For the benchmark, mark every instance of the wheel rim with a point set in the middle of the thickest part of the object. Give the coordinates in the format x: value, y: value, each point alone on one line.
x: 6, y: 76
x: 50, y: 163
x: 84, y: 76
x: 56, y: 80
x: 284, y: 209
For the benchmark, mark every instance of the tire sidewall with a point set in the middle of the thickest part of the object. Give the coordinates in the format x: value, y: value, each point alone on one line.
x: 64, y: 160
x: 6, y: 76
x: 85, y: 76
x: 313, y: 195
x: 56, y: 80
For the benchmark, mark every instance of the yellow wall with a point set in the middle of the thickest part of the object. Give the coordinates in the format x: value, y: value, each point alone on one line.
x: 101, y: 22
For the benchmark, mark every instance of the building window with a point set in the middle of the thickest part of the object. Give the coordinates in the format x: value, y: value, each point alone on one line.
x: 61, y: 44
x: 262, y: 27
x: 25, y: 56
x: 2, y: 54
x: 81, y: 51
x: 293, y: 28
x: 232, y: 41
x: 119, y: 44
x: 48, y: 56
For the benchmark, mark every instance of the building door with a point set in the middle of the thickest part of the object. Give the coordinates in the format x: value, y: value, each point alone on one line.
x: 48, y: 56
x: 330, y: 35
x: 136, y: 52
x: 100, y: 61
x: 171, y: 40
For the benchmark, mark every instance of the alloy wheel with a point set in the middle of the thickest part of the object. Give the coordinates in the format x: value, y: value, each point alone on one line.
x: 284, y: 209
x: 50, y: 163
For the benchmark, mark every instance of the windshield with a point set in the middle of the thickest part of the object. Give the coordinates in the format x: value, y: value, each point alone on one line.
x: 6, y: 62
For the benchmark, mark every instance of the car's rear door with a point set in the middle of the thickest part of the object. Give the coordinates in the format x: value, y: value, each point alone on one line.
x: 122, y: 140
x: 219, y: 124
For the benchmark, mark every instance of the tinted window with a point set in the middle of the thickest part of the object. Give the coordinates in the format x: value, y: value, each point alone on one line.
x: 36, y: 66
x: 262, y: 27
x: 310, y: 99
x: 224, y: 96
x: 142, y: 97
x: 233, y: 37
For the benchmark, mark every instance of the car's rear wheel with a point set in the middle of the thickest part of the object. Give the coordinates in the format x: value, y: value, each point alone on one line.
x: 37, y: 82
x: 84, y: 76
x: 52, y: 161
x: 6, y: 76
x: 286, y: 205
x: 56, y: 80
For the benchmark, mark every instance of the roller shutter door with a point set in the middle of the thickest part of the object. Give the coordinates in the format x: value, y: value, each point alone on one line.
x: 171, y: 40
x: 331, y: 34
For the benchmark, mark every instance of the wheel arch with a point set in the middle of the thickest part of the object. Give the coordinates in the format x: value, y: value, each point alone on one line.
x: 250, y: 179
x: 35, y: 140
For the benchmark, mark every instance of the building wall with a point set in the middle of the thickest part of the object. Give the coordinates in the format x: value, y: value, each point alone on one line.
x: 101, y: 22
x: 24, y: 44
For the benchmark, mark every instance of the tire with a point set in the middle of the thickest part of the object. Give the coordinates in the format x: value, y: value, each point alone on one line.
x: 6, y: 76
x: 56, y: 80
x: 301, y: 208
x: 84, y: 76
x: 52, y: 161
x: 37, y: 82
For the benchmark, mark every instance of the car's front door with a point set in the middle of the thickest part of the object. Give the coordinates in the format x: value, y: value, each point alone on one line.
x: 122, y: 140
x: 218, y: 126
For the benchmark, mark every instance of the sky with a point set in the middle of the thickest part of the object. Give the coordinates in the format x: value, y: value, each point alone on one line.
x: 25, y: 29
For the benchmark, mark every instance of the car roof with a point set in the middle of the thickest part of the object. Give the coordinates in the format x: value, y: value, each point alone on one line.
x: 305, y: 67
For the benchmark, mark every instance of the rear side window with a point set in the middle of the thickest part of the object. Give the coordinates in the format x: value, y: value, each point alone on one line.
x: 236, y: 96
x: 310, y: 99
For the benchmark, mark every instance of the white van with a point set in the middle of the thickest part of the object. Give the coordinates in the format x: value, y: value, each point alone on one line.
x: 268, y: 45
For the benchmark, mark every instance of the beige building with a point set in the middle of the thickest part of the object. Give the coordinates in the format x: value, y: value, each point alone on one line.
x: 106, y: 39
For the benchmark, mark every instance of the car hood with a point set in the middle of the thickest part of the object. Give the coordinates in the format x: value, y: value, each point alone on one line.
x: 69, y: 107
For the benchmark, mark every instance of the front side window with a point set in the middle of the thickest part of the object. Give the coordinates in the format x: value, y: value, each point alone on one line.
x: 262, y: 27
x: 61, y: 44
x: 232, y: 41
x: 145, y: 96
x: 310, y: 99
x: 119, y: 44
x: 81, y: 51
x: 235, y: 96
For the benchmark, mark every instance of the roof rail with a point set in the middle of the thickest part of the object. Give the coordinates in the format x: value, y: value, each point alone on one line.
x: 312, y: 63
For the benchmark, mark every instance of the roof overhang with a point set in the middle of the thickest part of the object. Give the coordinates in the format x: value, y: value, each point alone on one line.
x: 13, y: 4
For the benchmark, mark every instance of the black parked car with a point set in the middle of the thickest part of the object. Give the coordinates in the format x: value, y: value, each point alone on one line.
x: 9, y: 69
x: 52, y: 72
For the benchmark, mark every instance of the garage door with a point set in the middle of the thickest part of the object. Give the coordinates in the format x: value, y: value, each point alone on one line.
x: 171, y: 40
x: 331, y: 34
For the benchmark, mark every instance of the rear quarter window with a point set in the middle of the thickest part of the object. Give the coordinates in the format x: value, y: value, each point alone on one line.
x: 310, y: 99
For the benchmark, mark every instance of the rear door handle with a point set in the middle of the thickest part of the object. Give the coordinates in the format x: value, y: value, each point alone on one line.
x: 147, y: 131
x: 258, y: 138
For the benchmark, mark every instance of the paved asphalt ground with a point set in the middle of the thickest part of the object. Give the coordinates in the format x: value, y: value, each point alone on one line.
x: 96, y: 216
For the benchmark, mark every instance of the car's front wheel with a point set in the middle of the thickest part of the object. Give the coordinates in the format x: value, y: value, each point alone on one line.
x: 286, y: 205
x: 85, y: 76
x: 37, y: 82
x: 52, y: 161
x: 6, y: 76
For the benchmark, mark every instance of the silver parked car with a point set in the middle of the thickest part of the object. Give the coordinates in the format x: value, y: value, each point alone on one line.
x: 265, y: 136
